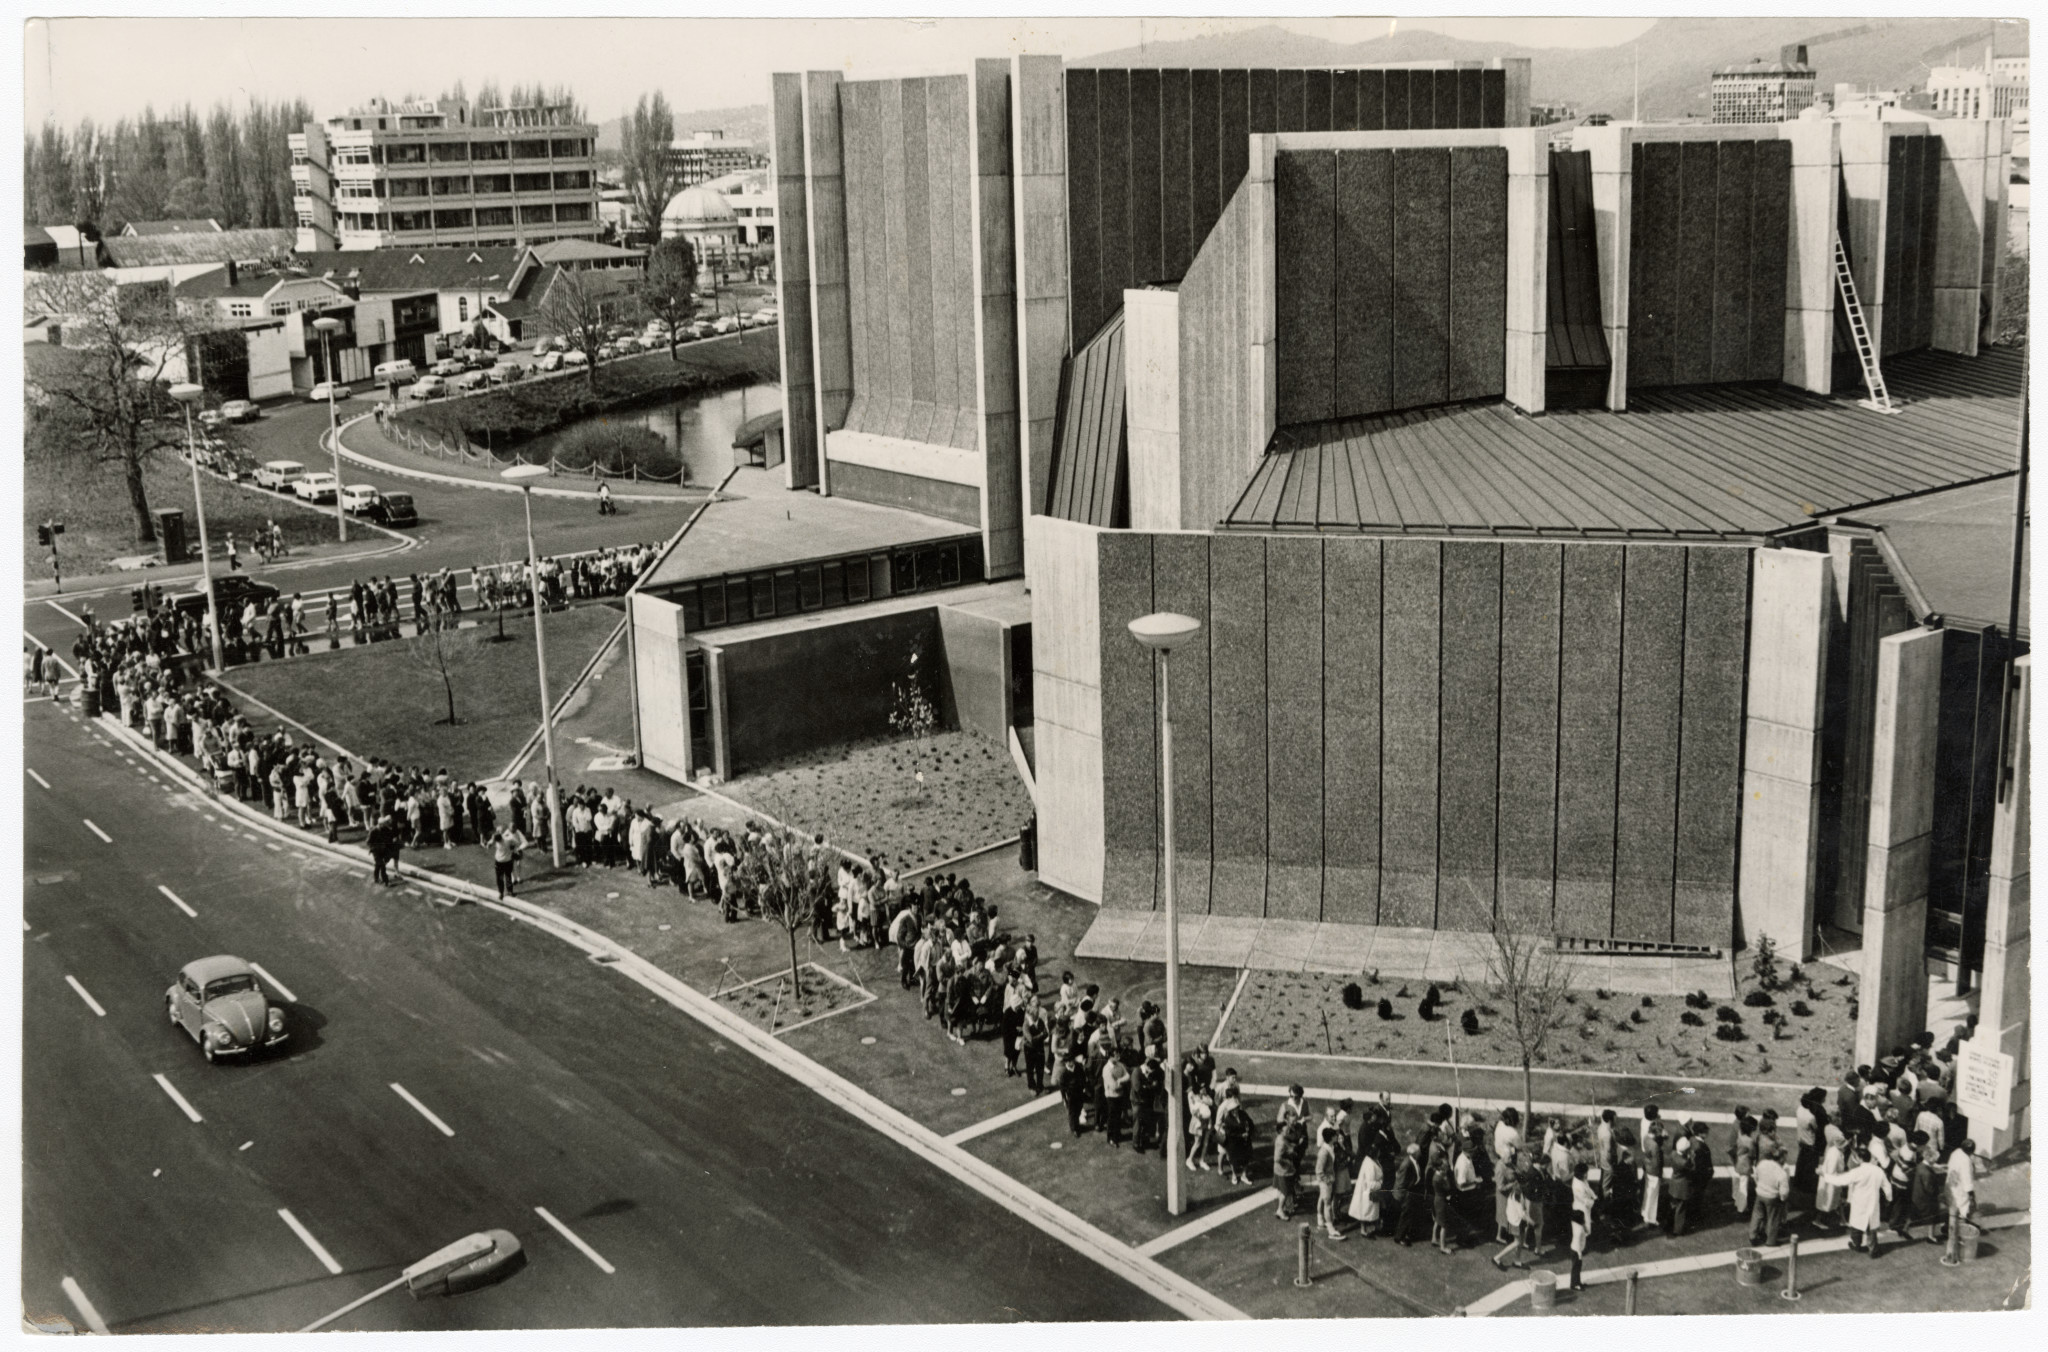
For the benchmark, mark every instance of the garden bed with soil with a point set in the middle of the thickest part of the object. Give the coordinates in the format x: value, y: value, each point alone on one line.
x: 769, y: 1004
x: 1608, y: 1031
x: 863, y: 796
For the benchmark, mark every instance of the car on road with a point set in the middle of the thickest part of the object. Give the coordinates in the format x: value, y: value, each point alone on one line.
x: 240, y: 411
x: 471, y: 380
x: 393, y: 509
x: 319, y: 393
x: 358, y: 499
x: 476, y: 358
x: 575, y: 358
x: 400, y: 372
x: 549, y: 361
x: 278, y: 475
x: 234, y: 591
x: 319, y: 486
x: 220, y: 1002
x: 448, y: 366
x: 427, y: 387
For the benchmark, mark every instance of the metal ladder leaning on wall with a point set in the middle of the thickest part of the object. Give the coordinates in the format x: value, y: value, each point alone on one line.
x: 1880, y: 400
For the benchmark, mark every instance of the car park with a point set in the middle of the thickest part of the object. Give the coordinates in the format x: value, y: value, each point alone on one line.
x: 220, y: 1002
x: 233, y: 590
x: 427, y: 387
x: 319, y: 393
x: 359, y: 499
x: 319, y: 486
x: 278, y: 475
x: 394, y: 509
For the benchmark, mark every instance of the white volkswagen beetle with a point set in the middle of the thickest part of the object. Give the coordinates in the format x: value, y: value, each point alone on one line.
x: 221, y: 1004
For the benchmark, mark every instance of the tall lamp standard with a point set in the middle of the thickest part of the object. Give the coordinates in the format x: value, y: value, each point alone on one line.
x: 1162, y: 633
x: 523, y: 475
x: 187, y: 395
x: 329, y: 326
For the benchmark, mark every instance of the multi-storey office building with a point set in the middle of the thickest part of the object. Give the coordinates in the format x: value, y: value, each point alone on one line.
x: 1765, y: 91
x: 425, y: 173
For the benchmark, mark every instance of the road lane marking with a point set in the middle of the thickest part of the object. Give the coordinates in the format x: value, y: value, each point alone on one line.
x: 282, y: 989
x: 592, y: 1254
x: 86, y: 996
x: 94, y: 828
x: 319, y: 1250
x: 86, y: 1310
x: 424, y: 1110
x: 66, y: 614
x: 1004, y: 1119
x: 177, y: 901
x: 177, y: 1097
x: 37, y: 778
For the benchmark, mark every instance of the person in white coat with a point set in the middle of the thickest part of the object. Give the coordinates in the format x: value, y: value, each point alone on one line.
x: 1364, y: 1206
x: 1867, y: 1189
x: 1961, y: 1189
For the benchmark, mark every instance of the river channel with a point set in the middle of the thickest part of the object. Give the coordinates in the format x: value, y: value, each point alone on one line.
x: 699, y: 427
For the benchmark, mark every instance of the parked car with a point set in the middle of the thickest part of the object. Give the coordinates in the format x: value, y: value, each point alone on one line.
x: 319, y: 486
x: 240, y: 411
x: 219, y: 1001
x: 505, y: 372
x: 319, y: 393
x: 394, y: 509
x: 699, y: 328
x: 726, y: 325
x: 278, y: 475
x: 575, y: 358
x: 233, y: 590
x: 769, y: 314
x: 401, y: 372
x: 427, y: 387
x: 550, y: 361
x: 477, y: 358
x: 210, y: 419
x: 471, y: 380
x: 359, y: 499
x: 448, y: 366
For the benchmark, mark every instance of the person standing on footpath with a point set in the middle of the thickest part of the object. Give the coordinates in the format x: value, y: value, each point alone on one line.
x: 1962, y: 1185
x: 1326, y: 1182
x: 1771, y: 1186
x: 1867, y: 1189
x: 1653, y: 1166
x: 506, y: 846
x: 1289, y: 1142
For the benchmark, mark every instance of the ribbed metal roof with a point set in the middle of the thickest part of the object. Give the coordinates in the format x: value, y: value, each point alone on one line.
x: 1689, y: 462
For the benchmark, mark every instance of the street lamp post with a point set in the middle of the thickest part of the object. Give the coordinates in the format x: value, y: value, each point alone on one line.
x: 187, y: 395
x: 523, y: 475
x: 1162, y: 633
x: 329, y: 326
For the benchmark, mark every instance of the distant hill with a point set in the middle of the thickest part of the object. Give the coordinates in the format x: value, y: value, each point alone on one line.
x: 1677, y: 55
x: 747, y: 124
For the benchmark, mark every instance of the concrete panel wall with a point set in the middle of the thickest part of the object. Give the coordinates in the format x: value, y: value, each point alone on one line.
x: 1613, y: 156
x: 1526, y: 282
x: 793, y: 282
x: 1294, y: 727
x: 1364, y: 371
x: 1066, y: 694
x: 825, y: 220
x: 834, y: 683
x: 2004, y: 1014
x: 1422, y: 276
x: 1865, y: 187
x: 659, y: 688
x: 1809, y: 260
x: 1238, y: 732
x: 1217, y: 456
x: 1792, y: 614
x: 1956, y: 254
x: 1152, y: 407
x: 988, y: 355
x: 1039, y: 156
x: 1709, y: 230
x: 1418, y: 733
x: 975, y: 650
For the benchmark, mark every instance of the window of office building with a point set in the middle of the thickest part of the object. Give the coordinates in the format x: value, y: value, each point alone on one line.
x: 493, y: 216
x: 452, y: 220
x: 412, y: 220
x: 575, y: 149
x: 572, y: 180
x: 492, y: 182
x: 531, y: 182
x: 573, y: 211
x: 451, y: 186
x: 405, y: 154
x: 529, y: 150
x: 542, y: 215
x: 408, y: 187
x: 488, y: 150
x: 449, y: 150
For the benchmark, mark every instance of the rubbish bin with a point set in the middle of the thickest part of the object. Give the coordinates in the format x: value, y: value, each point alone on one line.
x: 170, y: 533
x: 1542, y: 1289
x: 1027, y: 846
x: 1749, y: 1267
x: 89, y: 707
x: 1967, y: 1235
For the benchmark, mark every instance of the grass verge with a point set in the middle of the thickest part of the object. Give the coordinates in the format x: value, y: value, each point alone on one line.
x: 99, y: 524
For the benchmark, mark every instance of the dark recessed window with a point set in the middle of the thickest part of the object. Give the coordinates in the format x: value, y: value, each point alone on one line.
x: 832, y: 577
x: 856, y: 581
x: 763, y: 587
x: 902, y: 573
x: 810, y: 589
x: 693, y: 617
x: 786, y: 602
x: 714, y: 602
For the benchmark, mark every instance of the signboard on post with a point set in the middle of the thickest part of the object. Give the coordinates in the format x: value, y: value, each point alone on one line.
x: 1984, y: 1082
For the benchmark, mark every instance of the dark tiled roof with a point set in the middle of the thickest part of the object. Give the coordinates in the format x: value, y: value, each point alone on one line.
x: 146, y: 229
x: 208, y: 285
x: 416, y: 269
x: 1739, y: 460
x: 213, y: 246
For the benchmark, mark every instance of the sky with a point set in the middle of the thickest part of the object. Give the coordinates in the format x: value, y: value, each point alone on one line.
x: 107, y: 68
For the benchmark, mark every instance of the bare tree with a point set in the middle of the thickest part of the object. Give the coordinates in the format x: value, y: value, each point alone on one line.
x: 652, y: 174
x: 103, y: 396
x: 1530, y: 982
x: 580, y: 304
x: 670, y: 293
x: 439, y: 655
x: 789, y: 876
x: 916, y: 716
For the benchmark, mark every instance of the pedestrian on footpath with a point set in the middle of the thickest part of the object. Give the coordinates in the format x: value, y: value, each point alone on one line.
x: 1234, y: 1125
x: 506, y: 847
x: 1116, y: 1097
x: 1681, y: 1184
x: 1508, y: 1175
x: 1962, y: 1185
x: 1326, y: 1182
x: 1289, y: 1143
x: 234, y: 555
x: 1867, y: 1188
x: 1148, y: 1096
x: 1772, y: 1187
x: 1367, y: 1194
x: 1653, y: 1166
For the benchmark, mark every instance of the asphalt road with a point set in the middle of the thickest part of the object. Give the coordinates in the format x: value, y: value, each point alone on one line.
x: 716, y: 1190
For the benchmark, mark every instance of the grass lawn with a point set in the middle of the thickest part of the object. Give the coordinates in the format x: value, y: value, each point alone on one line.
x: 378, y: 700
x: 99, y: 524
x: 863, y: 798
x: 1282, y: 1011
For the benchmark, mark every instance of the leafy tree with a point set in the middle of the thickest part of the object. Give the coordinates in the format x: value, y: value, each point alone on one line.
x: 103, y: 397
x: 670, y: 290
x: 652, y: 176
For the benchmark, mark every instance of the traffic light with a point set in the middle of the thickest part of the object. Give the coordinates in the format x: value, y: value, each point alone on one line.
x: 43, y: 535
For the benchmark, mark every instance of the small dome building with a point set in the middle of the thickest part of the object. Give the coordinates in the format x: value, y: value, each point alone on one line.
x: 702, y: 216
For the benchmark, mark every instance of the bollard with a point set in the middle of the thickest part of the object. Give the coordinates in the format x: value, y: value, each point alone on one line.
x: 1628, y: 1294
x: 1791, y: 1291
x: 1301, y: 1256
